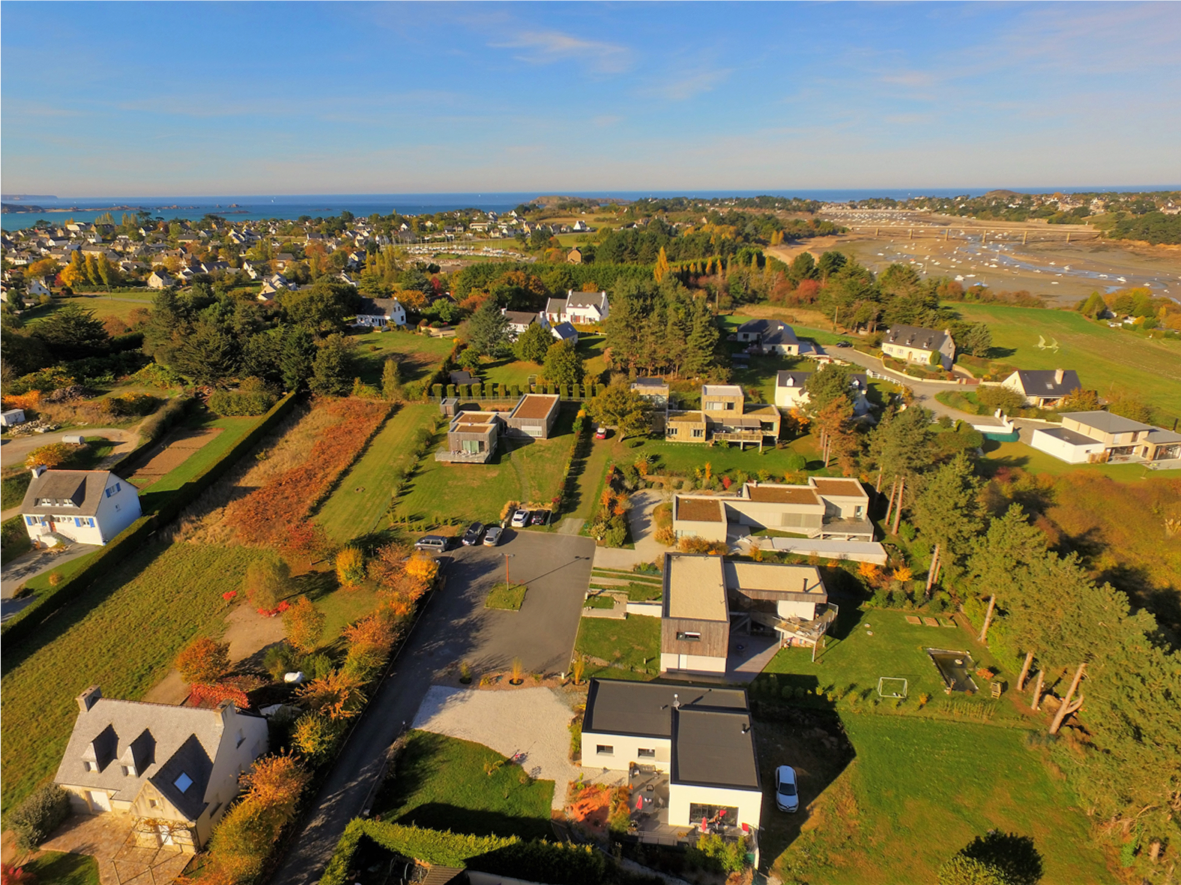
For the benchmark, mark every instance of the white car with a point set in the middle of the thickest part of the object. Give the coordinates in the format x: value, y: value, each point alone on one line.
x: 787, y: 797
x: 520, y: 519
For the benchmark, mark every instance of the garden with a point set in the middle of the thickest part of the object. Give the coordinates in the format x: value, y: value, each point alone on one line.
x: 618, y: 649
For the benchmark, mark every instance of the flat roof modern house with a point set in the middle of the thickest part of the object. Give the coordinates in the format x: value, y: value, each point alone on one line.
x: 688, y: 749
x: 1100, y: 437
x: 725, y: 417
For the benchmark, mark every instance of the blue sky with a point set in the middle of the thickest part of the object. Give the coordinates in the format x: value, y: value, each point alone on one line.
x: 147, y: 99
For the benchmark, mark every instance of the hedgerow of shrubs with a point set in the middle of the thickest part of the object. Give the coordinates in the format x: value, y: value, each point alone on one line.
x: 37, y: 817
x: 241, y: 402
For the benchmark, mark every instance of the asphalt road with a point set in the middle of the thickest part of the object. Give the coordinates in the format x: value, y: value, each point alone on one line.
x: 14, y: 450
x: 924, y: 394
x: 454, y: 627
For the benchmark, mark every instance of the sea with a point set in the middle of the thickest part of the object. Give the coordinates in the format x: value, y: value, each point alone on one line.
x: 288, y: 207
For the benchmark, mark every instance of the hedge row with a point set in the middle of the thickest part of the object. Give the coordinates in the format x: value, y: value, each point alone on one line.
x: 22, y: 625
x: 557, y: 864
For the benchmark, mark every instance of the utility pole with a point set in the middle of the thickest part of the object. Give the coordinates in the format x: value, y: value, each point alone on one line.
x: 507, y: 557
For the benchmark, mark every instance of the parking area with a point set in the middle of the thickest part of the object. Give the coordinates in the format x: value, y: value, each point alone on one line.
x: 556, y: 569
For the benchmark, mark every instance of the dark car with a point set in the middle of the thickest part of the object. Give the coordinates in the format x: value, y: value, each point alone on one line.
x: 844, y: 344
x: 539, y: 517
x: 474, y: 533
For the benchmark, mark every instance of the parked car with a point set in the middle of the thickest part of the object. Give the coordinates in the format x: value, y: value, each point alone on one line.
x: 474, y: 532
x: 844, y: 344
x: 492, y: 538
x: 431, y: 543
x: 520, y: 519
x: 540, y: 517
x: 787, y: 797
x: 601, y: 433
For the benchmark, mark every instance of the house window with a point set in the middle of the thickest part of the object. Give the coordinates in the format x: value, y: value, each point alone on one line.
x: 183, y: 782
x: 90, y: 766
x: 687, y: 636
x: 78, y: 521
x: 605, y: 749
x: 126, y: 771
x: 90, y: 522
x: 31, y: 520
x: 471, y: 446
x: 724, y: 814
x: 644, y: 753
x: 698, y: 433
x: 152, y: 803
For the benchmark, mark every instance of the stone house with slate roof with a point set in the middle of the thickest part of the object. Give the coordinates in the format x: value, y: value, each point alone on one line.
x: 174, y: 769
x: 1043, y: 388
x: 913, y: 344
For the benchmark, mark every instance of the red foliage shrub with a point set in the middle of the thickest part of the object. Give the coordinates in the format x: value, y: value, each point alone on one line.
x: 205, y: 695
x: 295, y: 492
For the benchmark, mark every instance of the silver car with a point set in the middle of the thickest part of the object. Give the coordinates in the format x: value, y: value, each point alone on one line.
x: 492, y: 536
x: 787, y: 795
x: 520, y: 519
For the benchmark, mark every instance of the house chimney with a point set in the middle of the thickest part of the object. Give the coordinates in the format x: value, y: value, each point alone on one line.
x: 805, y: 589
x: 89, y: 698
x: 38, y: 470
x: 1058, y: 375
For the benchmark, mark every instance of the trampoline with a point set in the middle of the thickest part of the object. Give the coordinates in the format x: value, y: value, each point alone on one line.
x: 955, y: 667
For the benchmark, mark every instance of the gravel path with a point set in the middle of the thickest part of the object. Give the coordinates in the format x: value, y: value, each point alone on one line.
x: 533, y: 721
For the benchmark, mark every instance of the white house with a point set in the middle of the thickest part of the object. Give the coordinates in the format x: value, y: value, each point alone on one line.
x: 1089, y: 437
x: 769, y: 336
x: 1044, y: 388
x: 520, y: 320
x: 699, y: 737
x: 790, y: 392
x: 914, y: 344
x: 578, y: 308
x: 86, y: 506
x: 175, y: 770
x: 378, y: 313
x: 12, y: 417
x: 36, y: 288
x: 565, y: 332
x: 160, y: 280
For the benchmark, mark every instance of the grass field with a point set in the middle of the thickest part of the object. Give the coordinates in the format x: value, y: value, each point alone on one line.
x: 508, y: 597
x: 444, y: 784
x: 868, y: 645
x: 917, y: 792
x: 120, y: 305
x: 153, y: 493
x: 418, y: 355
x: 632, y: 645
x: 60, y: 868
x: 470, y: 492
x: 683, y: 458
x: 122, y: 635
x: 513, y: 371
x: 1018, y: 454
x: 363, y: 494
x: 1106, y: 359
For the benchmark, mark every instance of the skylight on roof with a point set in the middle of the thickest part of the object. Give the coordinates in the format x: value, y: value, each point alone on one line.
x: 183, y: 782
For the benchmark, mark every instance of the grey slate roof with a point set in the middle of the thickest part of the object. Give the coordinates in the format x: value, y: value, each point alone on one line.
x: 566, y: 332
x: 714, y: 747
x: 520, y: 317
x: 917, y: 337
x: 586, y: 299
x: 79, y: 491
x: 769, y: 331
x: 161, y: 740
x: 1043, y: 382
x: 555, y: 306
x: 788, y: 378
x: 377, y: 307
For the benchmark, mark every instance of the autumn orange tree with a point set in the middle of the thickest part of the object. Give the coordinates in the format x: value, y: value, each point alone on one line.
x: 350, y: 568
x: 203, y: 660
x: 266, y: 582
x: 303, y: 623
x: 337, y: 695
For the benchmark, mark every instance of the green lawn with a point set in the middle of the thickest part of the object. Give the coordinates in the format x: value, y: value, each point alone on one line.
x: 60, y: 868
x: 1018, y: 454
x: 631, y: 645
x: 853, y: 660
x: 418, y: 355
x: 1106, y: 359
x: 514, y: 371
x: 122, y: 635
x: 442, y: 783
x: 917, y: 792
x: 525, y: 472
x: 509, y: 597
x: 363, y: 495
x: 683, y: 459
x: 153, y: 492
x: 121, y: 306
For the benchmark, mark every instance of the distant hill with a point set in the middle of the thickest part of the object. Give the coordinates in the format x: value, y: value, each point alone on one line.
x: 20, y: 198
x: 1001, y: 195
x: 9, y: 208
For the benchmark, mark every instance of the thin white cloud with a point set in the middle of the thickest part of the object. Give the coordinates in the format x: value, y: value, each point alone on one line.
x: 551, y: 47
x: 689, y: 85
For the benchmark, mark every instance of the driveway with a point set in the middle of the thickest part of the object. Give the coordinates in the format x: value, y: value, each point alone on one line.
x: 531, y: 721
x: 29, y: 565
x: 106, y: 838
x: 924, y: 393
x: 453, y: 627
x: 643, y: 533
x: 14, y: 451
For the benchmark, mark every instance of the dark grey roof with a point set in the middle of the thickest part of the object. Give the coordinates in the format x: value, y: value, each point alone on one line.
x: 520, y: 317
x: 648, y: 381
x: 770, y: 331
x: 714, y: 747
x: 1044, y: 382
x: 791, y: 378
x: 372, y: 307
x: 586, y: 299
x: 556, y: 306
x: 1106, y: 422
x: 645, y: 708
x: 1161, y: 437
x: 192, y: 763
x: 917, y: 337
x: 566, y: 332
x: 79, y: 491
x: 1071, y: 436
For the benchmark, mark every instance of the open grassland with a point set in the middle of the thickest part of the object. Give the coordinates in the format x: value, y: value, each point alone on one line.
x: 683, y: 459
x: 868, y: 645
x: 443, y: 783
x: 525, y: 472
x: 120, y: 305
x: 514, y: 371
x: 627, y: 649
x: 418, y: 355
x: 363, y: 495
x: 122, y: 634
x: 917, y: 792
x: 1107, y: 360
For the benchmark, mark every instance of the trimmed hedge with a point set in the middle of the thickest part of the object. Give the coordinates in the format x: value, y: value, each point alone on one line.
x: 556, y: 864
x: 20, y: 626
x: 35, y: 819
x: 241, y: 402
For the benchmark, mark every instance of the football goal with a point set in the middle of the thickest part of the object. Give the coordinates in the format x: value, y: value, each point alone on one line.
x: 892, y: 687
